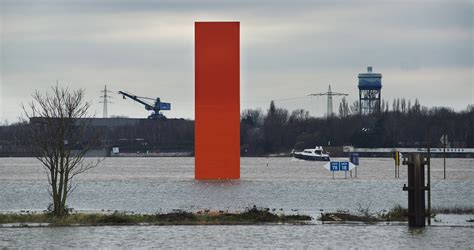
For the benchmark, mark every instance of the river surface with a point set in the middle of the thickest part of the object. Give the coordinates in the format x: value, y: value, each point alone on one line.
x: 148, y: 185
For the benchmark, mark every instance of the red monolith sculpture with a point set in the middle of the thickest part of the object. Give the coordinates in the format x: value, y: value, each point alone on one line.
x: 217, y: 100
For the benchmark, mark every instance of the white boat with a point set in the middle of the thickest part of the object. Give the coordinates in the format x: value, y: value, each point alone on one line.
x: 313, y: 154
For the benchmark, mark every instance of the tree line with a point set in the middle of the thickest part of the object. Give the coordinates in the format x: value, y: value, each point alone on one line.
x: 278, y: 130
x: 404, y: 124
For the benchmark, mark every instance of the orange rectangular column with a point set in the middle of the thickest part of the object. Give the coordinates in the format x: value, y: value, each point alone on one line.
x: 217, y: 100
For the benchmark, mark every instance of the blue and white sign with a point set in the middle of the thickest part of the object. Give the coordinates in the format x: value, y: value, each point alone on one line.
x: 165, y: 106
x: 343, y: 166
x: 335, y: 166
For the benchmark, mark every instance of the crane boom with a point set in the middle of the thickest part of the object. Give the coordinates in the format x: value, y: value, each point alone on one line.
x: 137, y: 99
x: 156, y: 107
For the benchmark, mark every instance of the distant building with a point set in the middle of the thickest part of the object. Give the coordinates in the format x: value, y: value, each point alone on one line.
x: 114, y: 122
x: 103, y: 122
x: 137, y: 136
x: 370, y: 90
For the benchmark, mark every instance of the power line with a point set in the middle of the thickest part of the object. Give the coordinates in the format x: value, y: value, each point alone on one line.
x: 289, y: 99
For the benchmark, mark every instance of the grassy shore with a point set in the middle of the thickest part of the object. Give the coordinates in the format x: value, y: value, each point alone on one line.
x: 252, y: 216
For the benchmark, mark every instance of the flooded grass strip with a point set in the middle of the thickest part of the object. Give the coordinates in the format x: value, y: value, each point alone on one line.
x: 178, y: 217
x: 397, y: 213
x: 453, y: 210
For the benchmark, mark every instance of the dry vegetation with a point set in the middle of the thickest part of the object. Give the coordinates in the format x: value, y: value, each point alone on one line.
x: 178, y: 217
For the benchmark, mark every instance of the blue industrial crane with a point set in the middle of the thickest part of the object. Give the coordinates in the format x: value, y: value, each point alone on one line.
x: 156, y: 107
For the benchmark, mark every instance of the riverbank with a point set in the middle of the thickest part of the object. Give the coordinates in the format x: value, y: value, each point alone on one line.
x: 178, y: 217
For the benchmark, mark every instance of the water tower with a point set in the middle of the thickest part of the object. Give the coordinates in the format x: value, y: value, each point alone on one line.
x: 370, y: 89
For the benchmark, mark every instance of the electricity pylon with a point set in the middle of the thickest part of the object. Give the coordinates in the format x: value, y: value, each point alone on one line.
x: 329, y: 94
x: 105, y: 100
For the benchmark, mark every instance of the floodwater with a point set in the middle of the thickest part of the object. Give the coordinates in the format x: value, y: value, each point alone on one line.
x: 276, y: 236
x: 287, y: 185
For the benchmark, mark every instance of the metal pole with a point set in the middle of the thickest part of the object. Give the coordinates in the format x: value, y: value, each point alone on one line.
x: 395, y: 163
x: 444, y: 160
x: 398, y: 164
x: 397, y: 160
x: 399, y: 154
x: 395, y: 170
x: 428, y: 179
x: 428, y: 184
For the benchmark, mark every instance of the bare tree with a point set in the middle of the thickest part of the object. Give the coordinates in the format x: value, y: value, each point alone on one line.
x: 382, y: 105
x: 416, y: 107
x: 354, y: 108
x: 403, y: 105
x: 252, y: 117
x: 58, y: 134
x: 343, y: 108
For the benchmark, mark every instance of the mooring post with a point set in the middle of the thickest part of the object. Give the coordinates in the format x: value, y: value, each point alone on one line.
x: 428, y: 174
x: 428, y: 183
x: 416, y: 190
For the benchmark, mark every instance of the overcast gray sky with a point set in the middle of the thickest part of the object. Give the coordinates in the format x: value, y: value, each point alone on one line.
x: 424, y: 49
